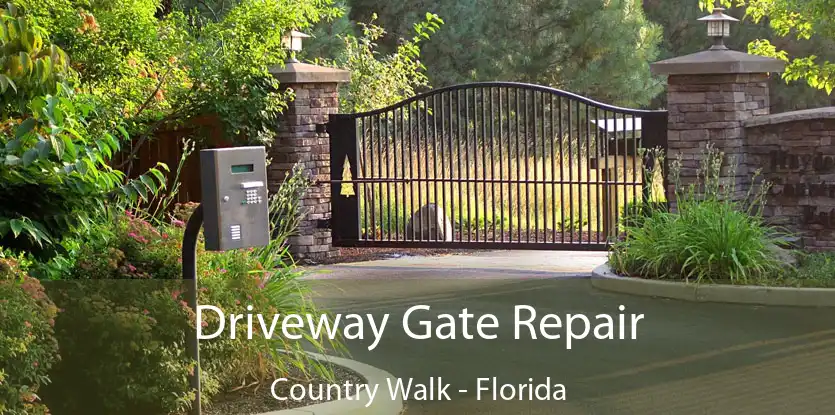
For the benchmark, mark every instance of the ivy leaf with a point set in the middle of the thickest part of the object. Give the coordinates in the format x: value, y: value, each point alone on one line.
x: 143, y: 192
x: 25, y: 127
x: 30, y: 156
x: 69, y: 146
x: 12, y: 160
x: 17, y: 226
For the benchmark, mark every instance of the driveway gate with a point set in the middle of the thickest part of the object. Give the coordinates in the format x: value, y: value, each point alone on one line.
x: 491, y: 165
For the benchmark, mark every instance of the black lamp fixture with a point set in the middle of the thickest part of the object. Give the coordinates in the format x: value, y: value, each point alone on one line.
x: 718, y: 27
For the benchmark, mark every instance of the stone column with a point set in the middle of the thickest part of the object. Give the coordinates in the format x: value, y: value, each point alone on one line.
x: 710, y: 95
x: 301, y: 139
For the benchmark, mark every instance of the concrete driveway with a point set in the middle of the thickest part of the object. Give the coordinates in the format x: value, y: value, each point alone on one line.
x: 688, y: 358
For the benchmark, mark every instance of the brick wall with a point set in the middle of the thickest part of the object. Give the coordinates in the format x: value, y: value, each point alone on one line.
x: 298, y: 141
x: 796, y: 152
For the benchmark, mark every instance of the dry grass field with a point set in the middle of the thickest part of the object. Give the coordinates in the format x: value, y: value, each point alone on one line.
x: 493, y: 196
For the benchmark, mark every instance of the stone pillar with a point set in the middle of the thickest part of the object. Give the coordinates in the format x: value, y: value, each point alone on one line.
x: 301, y: 139
x: 710, y: 95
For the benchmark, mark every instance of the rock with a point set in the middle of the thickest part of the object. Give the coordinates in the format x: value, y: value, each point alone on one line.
x: 784, y: 256
x: 429, y: 223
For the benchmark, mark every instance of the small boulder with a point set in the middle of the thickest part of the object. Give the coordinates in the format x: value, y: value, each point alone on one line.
x: 785, y: 256
x: 429, y: 223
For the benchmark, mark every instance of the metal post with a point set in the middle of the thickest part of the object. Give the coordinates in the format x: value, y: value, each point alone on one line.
x: 189, y: 255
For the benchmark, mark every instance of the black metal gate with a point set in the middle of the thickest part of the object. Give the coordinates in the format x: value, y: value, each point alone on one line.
x: 490, y: 165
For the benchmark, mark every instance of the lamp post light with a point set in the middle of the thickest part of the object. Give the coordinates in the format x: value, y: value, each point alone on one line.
x: 718, y: 27
x: 292, y: 41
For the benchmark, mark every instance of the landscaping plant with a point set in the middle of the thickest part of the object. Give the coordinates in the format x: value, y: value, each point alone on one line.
x: 813, y: 270
x: 714, y: 234
x: 160, y: 64
x: 378, y: 81
x: 55, y: 176
x: 122, y: 332
x: 28, y: 348
x: 804, y: 20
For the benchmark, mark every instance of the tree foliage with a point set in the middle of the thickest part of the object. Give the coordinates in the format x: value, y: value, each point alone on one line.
x: 79, y: 79
x: 597, y: 48
x: 54, y: 162
x: 28, y: 66
x: 378, y: 81
x: 172, y: 64
x: 800, y: 19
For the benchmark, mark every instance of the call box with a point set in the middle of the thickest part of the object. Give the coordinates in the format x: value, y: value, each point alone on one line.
x: 235, y: 202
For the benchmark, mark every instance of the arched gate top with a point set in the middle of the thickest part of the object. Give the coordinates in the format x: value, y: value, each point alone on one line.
x: 517, y: 85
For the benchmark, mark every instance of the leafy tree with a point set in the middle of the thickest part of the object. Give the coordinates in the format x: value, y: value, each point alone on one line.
x: 327, y: 39
x: 28, y: 67
x: 179, y: 60
x: 378, y: 81
x: 597, y: 48
x: 54, y: 164
x: 171, y: 63
x: 684, y: 34
x: 801, y: 19
x: 458, y: 37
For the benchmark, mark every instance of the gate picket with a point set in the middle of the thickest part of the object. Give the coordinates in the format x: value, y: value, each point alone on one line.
x: 519, y: 166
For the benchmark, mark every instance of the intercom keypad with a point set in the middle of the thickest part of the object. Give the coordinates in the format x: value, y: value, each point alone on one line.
x: 234, y: 197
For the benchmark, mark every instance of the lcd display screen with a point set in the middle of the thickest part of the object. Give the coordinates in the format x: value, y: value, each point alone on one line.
x: 243, y: 168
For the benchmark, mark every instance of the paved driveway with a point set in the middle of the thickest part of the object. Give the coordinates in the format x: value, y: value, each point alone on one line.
x: 688, y: 358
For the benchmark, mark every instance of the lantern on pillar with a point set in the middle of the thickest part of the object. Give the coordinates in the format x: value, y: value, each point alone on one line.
x: 292, y: 41
x: 718, y: 27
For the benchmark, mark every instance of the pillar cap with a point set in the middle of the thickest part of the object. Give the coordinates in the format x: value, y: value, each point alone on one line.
x: 710, y: 62
x: 305, y: 73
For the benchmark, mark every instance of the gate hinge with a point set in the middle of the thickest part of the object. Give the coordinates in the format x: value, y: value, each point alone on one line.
x: 321, y: 128
x: 323, y: 224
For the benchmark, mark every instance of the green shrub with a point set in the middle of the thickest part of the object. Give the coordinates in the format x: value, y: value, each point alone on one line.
x: 125, y: 315
x: 378, y: 81
x: 54, y: 149
x: 635, y: 213
x: 121, y: 347
x: 28, y: 348
x: 712, y: 235
x: 813, y: 270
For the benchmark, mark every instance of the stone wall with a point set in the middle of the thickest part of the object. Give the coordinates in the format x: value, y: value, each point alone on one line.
x: 712, y: 108
x: 298, y: 141
x: 796, y: 152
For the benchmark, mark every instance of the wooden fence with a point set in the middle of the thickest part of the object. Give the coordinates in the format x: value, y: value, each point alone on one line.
x: 167, y: 147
